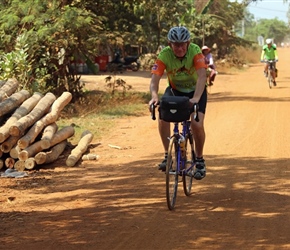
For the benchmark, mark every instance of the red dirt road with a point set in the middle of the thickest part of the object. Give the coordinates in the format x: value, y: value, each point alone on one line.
x: 119, y: 203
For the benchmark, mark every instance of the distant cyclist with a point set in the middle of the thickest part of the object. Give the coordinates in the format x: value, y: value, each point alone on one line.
x: 185, y: 67
x: 269, y: 52
x: 209, y: 61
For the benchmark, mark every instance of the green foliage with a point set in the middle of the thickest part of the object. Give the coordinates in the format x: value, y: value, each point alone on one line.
x: 114, y: 83
x: 56, y: 34
x: 16, y: 64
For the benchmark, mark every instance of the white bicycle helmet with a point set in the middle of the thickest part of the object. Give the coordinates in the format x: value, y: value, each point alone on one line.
x: 178, y: 35
x: 268, y: 41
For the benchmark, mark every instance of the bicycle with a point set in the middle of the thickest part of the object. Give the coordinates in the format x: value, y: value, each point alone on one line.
x: 271, y: 70
x: 181, y: 159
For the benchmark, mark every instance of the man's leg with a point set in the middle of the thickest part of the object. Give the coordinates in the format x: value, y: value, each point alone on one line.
x: 164, y: 132
x: 266, y: 70
x: 199, y: 140
x: 198, y: 134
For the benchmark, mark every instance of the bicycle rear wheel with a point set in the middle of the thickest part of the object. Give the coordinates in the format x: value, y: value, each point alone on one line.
x: 187, y: 176
x: 171, y: 174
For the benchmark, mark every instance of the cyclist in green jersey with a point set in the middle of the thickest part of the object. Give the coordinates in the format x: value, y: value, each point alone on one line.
x: 269, y: 52
x: 185, y: 67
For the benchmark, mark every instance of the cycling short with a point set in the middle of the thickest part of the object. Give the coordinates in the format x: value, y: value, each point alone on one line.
x: 201, y: 104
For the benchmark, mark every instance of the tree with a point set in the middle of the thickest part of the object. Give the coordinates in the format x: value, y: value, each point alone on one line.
x: 53, y: 33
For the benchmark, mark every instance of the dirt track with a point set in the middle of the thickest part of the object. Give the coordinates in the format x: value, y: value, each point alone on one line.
x: 119, y: 202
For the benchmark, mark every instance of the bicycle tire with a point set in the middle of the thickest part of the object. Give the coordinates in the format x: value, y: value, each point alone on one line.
x: 270, y: 79
x: 172, y: 174
x: 187, y: 175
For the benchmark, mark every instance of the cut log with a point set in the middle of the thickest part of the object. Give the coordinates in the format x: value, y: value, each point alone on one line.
x: 13, y: 102
x: 1, y: 163
x: 30, y: 163
x: 47, y: 135
x: 39, y: 111
x: 9, y: 143
x: 49, y: 118
x: 14, y: 152
x: 40, y: 158
x: 8, y: 88
x: 30, y: 151
x: 59, y: 136
x: 2, y: 83
x: 90, y: 157
x: 80, y: 149
x: 36, y: 147
x: 23, y: 110
x: 52, y: 155
x: 19, y: 166
x: 9, y: 162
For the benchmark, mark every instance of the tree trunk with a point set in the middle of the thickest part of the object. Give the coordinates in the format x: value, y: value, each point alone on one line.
x: 8, y: 88
x: 23, y: 110
x: 76, y: 153
x: 1, y: 163
x: 48, y: 134
x: 30, y: 163
x: 30, y: 151
x: 39, y: 111
x: 12, y: 102
x: 49, y: 118
x: 2, y: 82
x: 19, y: 166
x: 9, y: 143
x: 40, y: 158
x: 59, y: 136
x: 9, y: 162
x: 14, y: 152
x: 52, y: 155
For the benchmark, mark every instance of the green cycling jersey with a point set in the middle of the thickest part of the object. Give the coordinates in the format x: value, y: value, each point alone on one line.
x: 181, y: 73
x: 269, y: 53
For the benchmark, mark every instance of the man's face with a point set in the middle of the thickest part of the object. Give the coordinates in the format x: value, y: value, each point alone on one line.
x: 179, y: 49
x: 269, y: 45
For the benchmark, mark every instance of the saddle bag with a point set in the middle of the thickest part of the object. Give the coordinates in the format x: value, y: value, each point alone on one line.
x: 174, y: 108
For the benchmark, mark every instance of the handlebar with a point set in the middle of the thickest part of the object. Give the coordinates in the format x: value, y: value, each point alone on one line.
x: 270, y: 61
x: 195, y: 111
x: 152, y: 110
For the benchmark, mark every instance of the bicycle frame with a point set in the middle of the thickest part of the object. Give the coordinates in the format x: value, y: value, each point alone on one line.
x: 271, y: 71
x: 181, y: 168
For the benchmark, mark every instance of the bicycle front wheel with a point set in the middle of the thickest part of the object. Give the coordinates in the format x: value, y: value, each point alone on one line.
x: 187, y: 176
x: 172, y: 174
x: 270, y: 79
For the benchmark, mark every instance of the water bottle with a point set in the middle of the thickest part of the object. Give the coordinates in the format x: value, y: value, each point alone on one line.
x: 182, y: 145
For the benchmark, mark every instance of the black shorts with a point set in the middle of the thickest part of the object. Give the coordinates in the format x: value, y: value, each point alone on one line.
x: 201, y: 104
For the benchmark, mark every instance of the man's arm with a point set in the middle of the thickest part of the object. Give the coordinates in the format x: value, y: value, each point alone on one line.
x: 200, y: 85
x: 154, y: 88
x: 262, y: 55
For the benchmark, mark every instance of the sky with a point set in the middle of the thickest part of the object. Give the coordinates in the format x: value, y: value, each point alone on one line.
x: 270, y: 9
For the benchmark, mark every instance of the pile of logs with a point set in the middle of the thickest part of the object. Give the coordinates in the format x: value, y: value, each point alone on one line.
x: 29, y: 135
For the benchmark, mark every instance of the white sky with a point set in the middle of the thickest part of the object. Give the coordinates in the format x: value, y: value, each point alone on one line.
x: 270, y: 9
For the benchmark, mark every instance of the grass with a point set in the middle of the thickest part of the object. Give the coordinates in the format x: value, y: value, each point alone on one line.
x: 98, y: 112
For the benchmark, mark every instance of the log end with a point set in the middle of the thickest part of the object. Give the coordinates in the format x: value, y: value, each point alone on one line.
x: 40, y: 158
x: 14, y: 131
x: 23, y: 155
x: 71, y: 161
x: 30, y: 163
